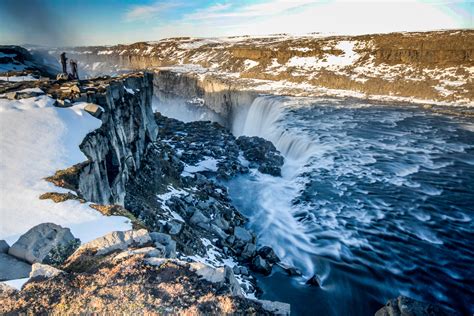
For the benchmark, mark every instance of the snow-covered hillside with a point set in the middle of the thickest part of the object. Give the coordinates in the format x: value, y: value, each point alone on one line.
x: 36, y: 140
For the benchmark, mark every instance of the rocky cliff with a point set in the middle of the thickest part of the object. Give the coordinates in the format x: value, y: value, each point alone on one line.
x: 220, y: 95
x: 430, y: 66
x: 115, y: 151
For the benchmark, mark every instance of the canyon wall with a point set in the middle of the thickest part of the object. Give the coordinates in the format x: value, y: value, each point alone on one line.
x: 432, y: 66
x: 219, y: 95
x: 116, y: 149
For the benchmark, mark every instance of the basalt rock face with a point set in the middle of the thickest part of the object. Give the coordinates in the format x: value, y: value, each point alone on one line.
x: 116, y: 149
x: 219, y: 95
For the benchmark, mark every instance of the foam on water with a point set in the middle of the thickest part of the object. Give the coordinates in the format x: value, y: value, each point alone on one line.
x: 368, y: 186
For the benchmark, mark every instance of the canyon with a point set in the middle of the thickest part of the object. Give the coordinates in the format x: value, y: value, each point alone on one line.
x: 206, y: 148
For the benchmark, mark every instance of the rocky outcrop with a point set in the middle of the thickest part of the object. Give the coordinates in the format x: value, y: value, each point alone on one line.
x: 261, y: 154
x: 131, y: 280
x: 181, y: 166
x: 45, y: 242
x: 405, y: 306
x: 115, y: 150
x: 44, y: 271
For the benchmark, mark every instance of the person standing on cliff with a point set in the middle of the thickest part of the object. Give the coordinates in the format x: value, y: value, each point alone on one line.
x: 64, y: 62
x: 73, y: 64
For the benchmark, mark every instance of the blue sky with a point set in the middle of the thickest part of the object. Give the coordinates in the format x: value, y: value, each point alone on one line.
x: 94, y: 22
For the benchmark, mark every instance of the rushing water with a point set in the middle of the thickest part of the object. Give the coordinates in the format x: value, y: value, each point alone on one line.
x: 377, y: 201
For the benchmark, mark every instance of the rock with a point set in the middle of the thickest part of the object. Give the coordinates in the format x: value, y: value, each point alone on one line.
x: 405, y: 306
x: 249, y: 251
x: 37, y: 243
x: 11, y: 268
x: 221, y: 222
x: 276, y: 308
x: 230, y: 279
x: 62, y: 103
x: 240, y: 270
x: 4, y: 246
x: 314, y: 281
x: 166, y: 241
x: 231, y: 239
x: 118, y: 240
x: 148, y: 252
x: 93, y: 109
x: 223, y: 275
x: 62, y: 76
x: 260, y: 265
x: 261, y: 153
x: 218, y: 231
x: 75, y: 88
x: 242, y: 234
x: 174, y: 227
x: 44, y: 270
x: 24, y: 94
x: 199, y: 219
x: 268, y: 254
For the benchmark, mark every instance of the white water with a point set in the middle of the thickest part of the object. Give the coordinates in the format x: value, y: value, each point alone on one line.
x: 276, y: 218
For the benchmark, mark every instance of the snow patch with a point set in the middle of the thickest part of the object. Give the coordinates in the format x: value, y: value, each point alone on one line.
x: 36, y: 140
x: 208, y: 164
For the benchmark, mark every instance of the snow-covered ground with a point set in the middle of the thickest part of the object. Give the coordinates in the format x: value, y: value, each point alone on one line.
x: 37, y: 139
x: 18, y: 78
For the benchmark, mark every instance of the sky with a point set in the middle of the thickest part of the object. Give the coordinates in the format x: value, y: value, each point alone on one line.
x: 108, y: 22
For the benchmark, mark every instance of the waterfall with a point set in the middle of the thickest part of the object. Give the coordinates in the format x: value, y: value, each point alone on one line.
x: 272, y: 212
x: 266, y: 117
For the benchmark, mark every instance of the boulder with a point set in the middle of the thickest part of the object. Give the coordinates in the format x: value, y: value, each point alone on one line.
x: 200, y: 220
x: 41, y: 241
x: 148, y: 252
x: 25, y: 93
x: 11, y: 268
x: 268, y: 254
x: 118, y: 240
x: 240, y: 270
x: 62, y: 103
x: 4, y: 246
x: 93, y: 109
x: 242, y: 234
x: 218, y: 231
x: 44, y: 270
x: 260, y: 265
x: 166, y: 241
x: 314, y: 281
x: 276, y: 308
x: 174, y: 227
x: 248, y: 251
x: 261, y: 154
x: 405, y: 306
x: 223, y: 275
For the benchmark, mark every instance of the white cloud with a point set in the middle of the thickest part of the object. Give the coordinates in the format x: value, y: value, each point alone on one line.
x: 259, y: 9
x: 304, y: 16
x: 143, y: 12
